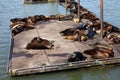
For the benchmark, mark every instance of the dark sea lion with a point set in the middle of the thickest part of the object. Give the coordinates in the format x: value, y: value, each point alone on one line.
x: 39, y: 43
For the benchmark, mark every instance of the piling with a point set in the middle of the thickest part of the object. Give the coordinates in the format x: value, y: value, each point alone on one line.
x: 79, y: 10
x: 101, y: 17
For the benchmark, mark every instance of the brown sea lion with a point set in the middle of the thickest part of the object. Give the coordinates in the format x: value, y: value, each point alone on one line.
x: 67, y: 32
x: 18, y: 25
x: 89, y: 16
x: 40, y: 18
x: 100, y: 53
x: 78, y: 35
x: 39, y: 43
x: 31, y: 20
x: 59, y: 16
x: 114, y: 38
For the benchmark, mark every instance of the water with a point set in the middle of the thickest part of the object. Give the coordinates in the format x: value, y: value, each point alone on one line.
x: 14, y: 8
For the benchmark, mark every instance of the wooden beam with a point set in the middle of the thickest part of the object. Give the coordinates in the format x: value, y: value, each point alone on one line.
x: 101, y: 17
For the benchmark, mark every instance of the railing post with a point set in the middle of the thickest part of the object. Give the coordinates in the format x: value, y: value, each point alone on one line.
x: 79, y: 9
x: 66, y: 6
x: 101, y: 17
x: 23, y: 1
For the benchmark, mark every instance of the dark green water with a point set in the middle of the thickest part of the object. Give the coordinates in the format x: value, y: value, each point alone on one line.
x: 14, y: 8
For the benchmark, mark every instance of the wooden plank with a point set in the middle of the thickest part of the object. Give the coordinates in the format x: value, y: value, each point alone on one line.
x: 61, y: 51
x: 116, y: 49
x: 23, y: 38
x: 47, y: 30
x: 50, y: 31
x: 67, y: 24
x: 28, y: 58
x: 62, y: 47
x: 82, y: 46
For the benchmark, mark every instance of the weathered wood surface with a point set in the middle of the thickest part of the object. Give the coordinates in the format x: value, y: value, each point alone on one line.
x: 29, y: 59
x: 22, y: 58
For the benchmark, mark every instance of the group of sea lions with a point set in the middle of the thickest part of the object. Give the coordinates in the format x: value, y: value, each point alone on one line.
x: 114, y: 38
x: 91, y: 28
x: 79, y: 33
x: 87, y: 30
x: 96, y: 53
x: 18, y: 25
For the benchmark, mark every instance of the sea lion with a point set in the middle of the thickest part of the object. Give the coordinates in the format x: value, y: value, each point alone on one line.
x: 100, y: 53
x: 114, y: 38
x: 76, y: 56
x: 39, y: 43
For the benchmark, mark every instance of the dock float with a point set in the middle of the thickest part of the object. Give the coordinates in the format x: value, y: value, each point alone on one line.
x: 24, y: 61
x: 31, y: 61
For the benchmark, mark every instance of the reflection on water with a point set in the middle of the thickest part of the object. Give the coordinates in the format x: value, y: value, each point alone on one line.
x: 14, y: 8
x: 106, y: 73
x: 43, y: 8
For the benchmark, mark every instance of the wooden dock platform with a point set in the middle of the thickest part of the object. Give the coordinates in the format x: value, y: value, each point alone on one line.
x: 23, y: 61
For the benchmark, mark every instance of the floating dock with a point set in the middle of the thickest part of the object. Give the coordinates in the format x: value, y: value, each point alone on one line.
x: 24, y: 62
